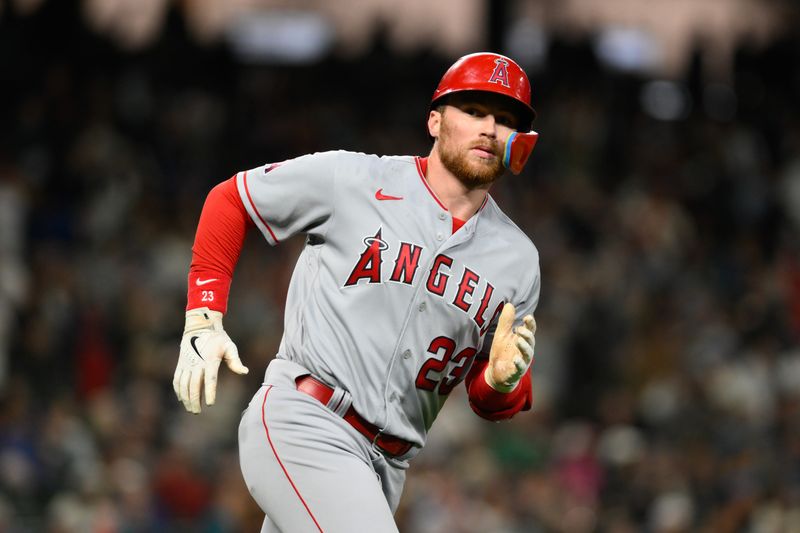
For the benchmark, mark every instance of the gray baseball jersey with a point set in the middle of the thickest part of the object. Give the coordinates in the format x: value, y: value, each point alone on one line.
x: 385, y: 300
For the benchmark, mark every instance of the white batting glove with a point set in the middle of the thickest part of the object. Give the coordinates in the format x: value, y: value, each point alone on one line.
x: 511, y: 353
x: 203, y: 346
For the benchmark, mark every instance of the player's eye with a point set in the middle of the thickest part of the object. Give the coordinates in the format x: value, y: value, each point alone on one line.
x: 473, y: 111
x: 505, y: 120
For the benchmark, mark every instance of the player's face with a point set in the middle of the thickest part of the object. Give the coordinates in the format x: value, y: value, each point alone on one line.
x: 471, y: 137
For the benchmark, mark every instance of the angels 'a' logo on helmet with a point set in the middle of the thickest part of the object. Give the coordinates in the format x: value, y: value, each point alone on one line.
x: 500, y: 74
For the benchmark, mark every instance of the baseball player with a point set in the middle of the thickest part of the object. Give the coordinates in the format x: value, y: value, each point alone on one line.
x: 411, y: 280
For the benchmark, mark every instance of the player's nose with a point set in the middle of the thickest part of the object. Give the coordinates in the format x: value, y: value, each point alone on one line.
x: 488, y: 125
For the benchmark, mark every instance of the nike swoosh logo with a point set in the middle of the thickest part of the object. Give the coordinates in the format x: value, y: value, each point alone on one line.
x: 380, y: 196
x: 200, y: 282
x: 194, y: 346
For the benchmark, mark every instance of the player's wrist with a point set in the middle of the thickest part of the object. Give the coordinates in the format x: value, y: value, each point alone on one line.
x: 202, y: 318
x: 499, y: 387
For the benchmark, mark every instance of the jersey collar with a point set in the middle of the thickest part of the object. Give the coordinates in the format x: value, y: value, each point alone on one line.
x: 422, y: 170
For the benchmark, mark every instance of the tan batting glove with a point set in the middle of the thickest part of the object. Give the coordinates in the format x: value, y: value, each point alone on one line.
x: 511, y: 353
x: 204, y: 345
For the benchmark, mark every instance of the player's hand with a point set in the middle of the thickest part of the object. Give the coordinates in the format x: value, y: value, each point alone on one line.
x: 511, y: 353
x: 204, y: 345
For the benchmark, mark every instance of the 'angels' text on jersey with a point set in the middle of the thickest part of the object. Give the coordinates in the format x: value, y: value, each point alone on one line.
x: 406, y: 262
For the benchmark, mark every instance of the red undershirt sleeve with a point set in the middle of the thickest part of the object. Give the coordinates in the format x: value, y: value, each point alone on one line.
x: 217, y: 245
x: 491, y: 404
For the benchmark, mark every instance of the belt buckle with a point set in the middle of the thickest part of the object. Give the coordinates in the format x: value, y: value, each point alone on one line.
x: 378, y: 448
x: 383, y: 451
x: 375, y: 446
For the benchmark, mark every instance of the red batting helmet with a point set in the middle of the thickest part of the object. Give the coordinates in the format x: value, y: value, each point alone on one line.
x: 492, y: 73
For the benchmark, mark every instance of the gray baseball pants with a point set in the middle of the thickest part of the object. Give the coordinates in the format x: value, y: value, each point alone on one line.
x: 307, y: 468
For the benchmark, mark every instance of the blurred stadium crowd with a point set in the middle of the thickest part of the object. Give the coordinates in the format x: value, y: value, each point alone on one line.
x: 668, y: 370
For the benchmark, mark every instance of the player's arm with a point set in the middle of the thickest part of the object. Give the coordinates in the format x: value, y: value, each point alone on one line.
x: 281, y: 200
x: 499, y: 385
x: 217, y: 246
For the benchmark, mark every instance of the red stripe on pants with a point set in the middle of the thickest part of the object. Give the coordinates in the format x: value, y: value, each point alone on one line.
x: 266, y: 430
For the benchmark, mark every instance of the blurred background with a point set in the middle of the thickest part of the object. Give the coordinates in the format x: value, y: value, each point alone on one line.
x: 664, y: 198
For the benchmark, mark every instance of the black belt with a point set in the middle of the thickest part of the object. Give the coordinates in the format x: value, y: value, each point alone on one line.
x: 393, y: 446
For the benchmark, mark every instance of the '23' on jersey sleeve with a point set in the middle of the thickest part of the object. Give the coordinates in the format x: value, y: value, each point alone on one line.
x: 290, y: 197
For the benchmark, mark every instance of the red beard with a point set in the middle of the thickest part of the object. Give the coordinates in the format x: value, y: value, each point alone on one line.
x: 472, y: 172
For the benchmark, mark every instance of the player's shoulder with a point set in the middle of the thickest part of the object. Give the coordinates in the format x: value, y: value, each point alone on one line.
x: 355, y: 167
x: 402, y: 160
x: 348, y: 169
x: 508, y: 230
x: 353, y: 160
x: 336, y: 157
x: 374, y: 160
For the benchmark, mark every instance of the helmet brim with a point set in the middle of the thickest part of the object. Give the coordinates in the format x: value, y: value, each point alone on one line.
x: 525, y: 113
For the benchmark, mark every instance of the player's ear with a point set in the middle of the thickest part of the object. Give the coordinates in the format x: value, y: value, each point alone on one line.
x: 434, y: 123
